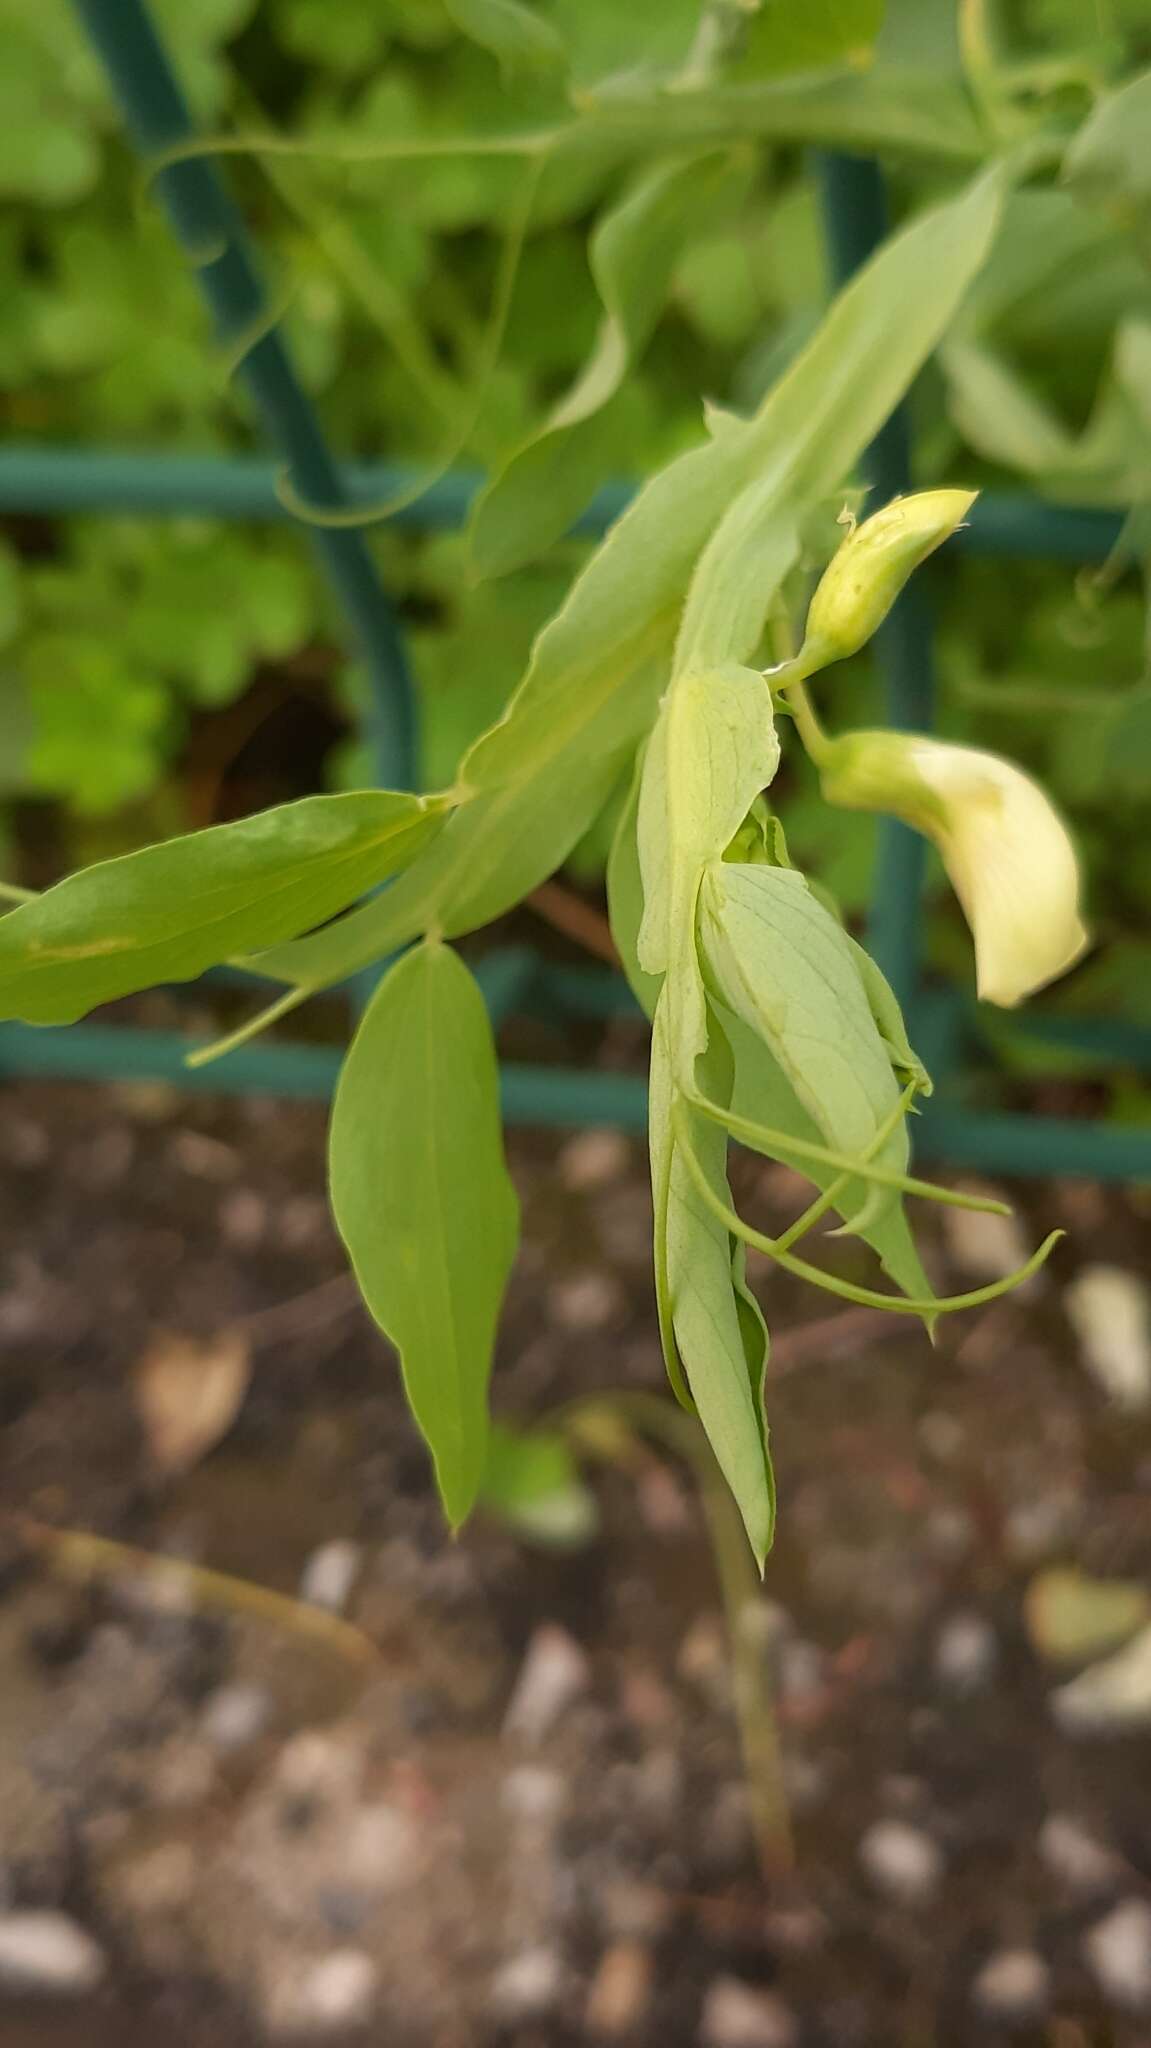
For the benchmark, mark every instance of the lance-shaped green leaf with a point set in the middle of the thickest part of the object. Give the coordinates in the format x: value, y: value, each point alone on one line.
x: 779, y: 960
x: 714, y: 1339
x: 625, y: 897
x: 545, y: 485
x: 423, y: 1201
x: 533, y: 784
x: 785, y: 37
x: 884, y: 1006
x: 763, y: 1097
x: 169, y: 911
x: 1109, y: 162
x: 714, y: 748
x: 521, y: 37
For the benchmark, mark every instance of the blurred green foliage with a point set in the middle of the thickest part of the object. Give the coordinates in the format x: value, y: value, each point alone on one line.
x: 118, y: 637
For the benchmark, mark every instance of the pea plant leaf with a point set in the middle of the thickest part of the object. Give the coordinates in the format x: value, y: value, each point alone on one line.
x: 784, y: 37
x: 1109, y: 162
x: 167, y: 912
x: 533, y: 784
x: 780, y: 961
x: 538, y: 493
x: 714, y: 1339
x: 763, y: 1096
x: 522, y: 38
x: 714, y: 748
x: 625, y: 896
x: 423, y: 1201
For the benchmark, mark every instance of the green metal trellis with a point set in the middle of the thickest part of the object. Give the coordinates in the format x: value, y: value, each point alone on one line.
x: 943, y: 1023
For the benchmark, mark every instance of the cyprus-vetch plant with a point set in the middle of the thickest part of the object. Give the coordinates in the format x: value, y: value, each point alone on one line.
x: 769, y: 1024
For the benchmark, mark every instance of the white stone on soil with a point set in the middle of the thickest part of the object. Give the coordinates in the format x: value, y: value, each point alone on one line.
x: 1074, y: 1856
x: 966, y: 1652
x: 1118, y: 1951
x: 528, y: 1984
x: 236, y: 1715
x: 336, y: 1992
x: 738, y: 2015
x: 1111, y: 1315
x: 985, y: 1246
x: 330, y: 1573
x: 1013, y: 1986
x: 49, y: 1953
x: 902, y: 1861
x: 593, y: 1160
x: 553, y: 1674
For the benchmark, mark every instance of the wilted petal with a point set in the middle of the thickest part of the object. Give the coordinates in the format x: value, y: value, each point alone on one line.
x: 1005, y: 847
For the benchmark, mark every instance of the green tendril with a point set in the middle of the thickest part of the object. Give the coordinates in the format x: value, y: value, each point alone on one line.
x: 371, y: 515
x: 866, y: 1297
x: 290, y: 1000
x: 827, y: 1200
x: 783, y: 1146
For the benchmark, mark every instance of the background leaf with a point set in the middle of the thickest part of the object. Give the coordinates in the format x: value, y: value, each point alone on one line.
x: 521, y: 37
x: 633, y: 252
x: 786, y: 36
x: 168, y: 912
x: 423, y: 1202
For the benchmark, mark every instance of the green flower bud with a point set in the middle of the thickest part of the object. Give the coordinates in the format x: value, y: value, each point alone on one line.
x: 865, y: 576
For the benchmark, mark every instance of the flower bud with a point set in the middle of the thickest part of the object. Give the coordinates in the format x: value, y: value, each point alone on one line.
x: 1005, y: 848
x: 867, y: 573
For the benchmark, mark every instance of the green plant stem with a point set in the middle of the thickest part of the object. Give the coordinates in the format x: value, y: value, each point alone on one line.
x: 740, y: 1592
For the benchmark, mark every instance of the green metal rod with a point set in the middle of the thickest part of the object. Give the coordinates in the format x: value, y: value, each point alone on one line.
x: 212, y: 232
x: 108, y: 1052
x: 52, y: 480
x: 1033, y: 1146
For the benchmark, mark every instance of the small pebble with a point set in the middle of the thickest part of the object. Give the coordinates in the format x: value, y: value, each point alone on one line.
x: 236, y: 1715
x: 334, y: 1993
x: 985, y: 1246
x: 161, y: 1880
x: 1110, y: 1313
x: 1073, y: 1855
x: 633, y: 1910
x: 738, y: 2015
x: 329, y: 1575
x: 49, y: 1953
x: 902, y: 1861
x: 378, y: 1849
x: 619, y: 1990
x: 966, y: 1653
x: 554, y: 1673
x: 533, y: 1794
x: 1118, y: 1951
x: 801, y: 1675
x: 1013, y: 1986
x: 586, y: 1301
x: 593, y: 1160
x: 243, y: 1219
x: 528, y: 1984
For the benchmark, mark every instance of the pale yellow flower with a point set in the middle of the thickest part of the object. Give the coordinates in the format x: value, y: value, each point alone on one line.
x: 1004, y: 845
